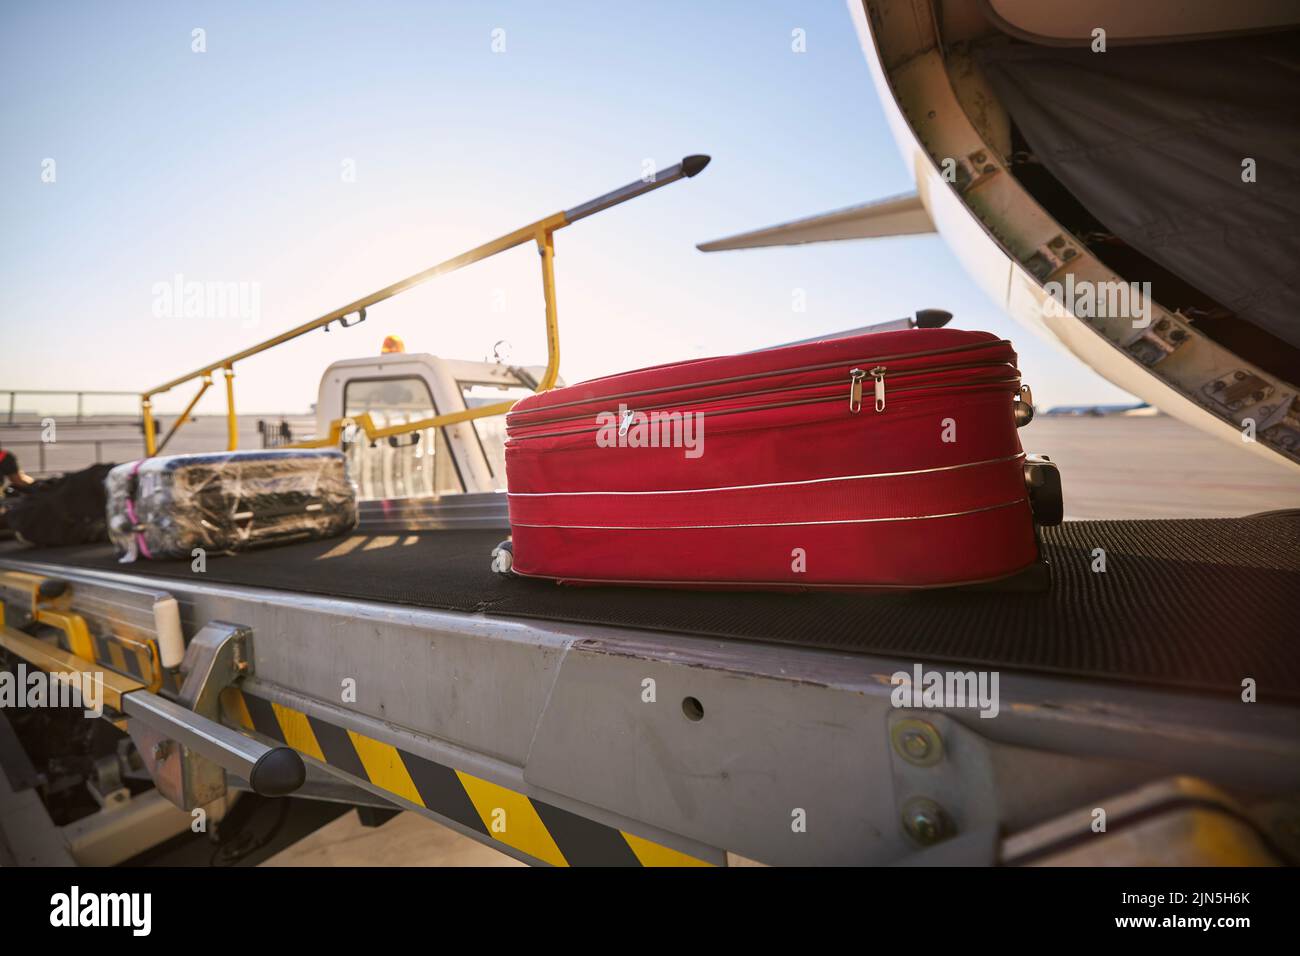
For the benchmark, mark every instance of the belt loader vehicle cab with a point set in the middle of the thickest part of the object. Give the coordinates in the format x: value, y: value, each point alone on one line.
x: 397, y: 389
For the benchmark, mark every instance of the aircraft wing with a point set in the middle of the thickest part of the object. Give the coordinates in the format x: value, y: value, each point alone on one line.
x: 896, y: 216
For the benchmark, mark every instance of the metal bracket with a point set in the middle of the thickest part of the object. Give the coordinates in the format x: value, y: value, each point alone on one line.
x: 974, y: 169
x: 343, y: 320
x: 219, y: 655
x: 184, y: 745
x: 942, y: 777
x: 1158, y: 341
x: 1051, y: 257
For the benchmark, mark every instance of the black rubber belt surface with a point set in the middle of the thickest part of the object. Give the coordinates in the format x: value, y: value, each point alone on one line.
x: 1198, y: 603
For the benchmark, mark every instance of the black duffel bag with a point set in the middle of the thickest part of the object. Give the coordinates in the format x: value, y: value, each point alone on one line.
x: 57, y: 511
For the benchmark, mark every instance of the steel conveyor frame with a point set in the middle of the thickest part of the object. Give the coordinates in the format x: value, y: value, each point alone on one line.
x: 779, y: 755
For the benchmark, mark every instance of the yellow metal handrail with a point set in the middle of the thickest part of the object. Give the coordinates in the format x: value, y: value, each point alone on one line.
x: 542, y: 232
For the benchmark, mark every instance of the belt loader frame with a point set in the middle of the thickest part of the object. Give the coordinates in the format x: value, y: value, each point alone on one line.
x: 570, y: 744
x: 542, y: 232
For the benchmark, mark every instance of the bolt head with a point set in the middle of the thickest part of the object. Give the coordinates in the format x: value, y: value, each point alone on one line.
x: 917, y: 742
x: 926, y: 822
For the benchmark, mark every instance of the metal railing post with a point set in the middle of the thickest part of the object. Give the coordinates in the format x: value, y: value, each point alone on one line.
x: 546, y: 247
x: 232, y: 422
x: 541, y: 231
x: 150, y: 438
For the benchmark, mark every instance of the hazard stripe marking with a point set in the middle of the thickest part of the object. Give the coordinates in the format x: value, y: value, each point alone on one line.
x: 538, y: 829
x: 117, y: 659
x: 263, y: 717
x: 297, y: 731
x: 654, y: 854
x: 234, y: 704
x: 441, y: 791
x: 511, y: 818
x: 384, y: 767
x: 338, y: 749
x: 586, y: 842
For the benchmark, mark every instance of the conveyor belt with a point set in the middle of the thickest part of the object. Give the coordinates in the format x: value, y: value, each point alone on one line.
x: 1197, y: 604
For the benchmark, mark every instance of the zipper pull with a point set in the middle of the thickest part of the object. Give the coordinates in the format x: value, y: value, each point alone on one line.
x: 855, y: 389
x: 878, y: 373
x: 626, y: 423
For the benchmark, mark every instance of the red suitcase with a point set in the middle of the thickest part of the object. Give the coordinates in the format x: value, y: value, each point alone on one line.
x: 887, y: 460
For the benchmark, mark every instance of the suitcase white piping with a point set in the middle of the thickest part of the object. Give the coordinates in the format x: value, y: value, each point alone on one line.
x: 766, y: 524
x: 770, y: 484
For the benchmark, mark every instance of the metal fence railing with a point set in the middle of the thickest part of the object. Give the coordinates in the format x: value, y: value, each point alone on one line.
x: 284, y: 432
x: 51, y: 404
x: 38, y: 465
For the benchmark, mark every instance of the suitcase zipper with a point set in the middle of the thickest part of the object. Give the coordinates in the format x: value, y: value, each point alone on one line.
x: 856, y: 377
x: 630, y: 415
x: 617, y: 397
x: 904, y: 373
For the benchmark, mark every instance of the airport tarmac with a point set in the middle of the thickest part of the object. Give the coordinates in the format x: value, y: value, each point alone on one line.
x: 1150, y: 466
x: 1154, y: 466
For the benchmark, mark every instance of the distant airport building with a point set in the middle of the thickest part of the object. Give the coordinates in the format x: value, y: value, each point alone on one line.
x: 1136, y: 408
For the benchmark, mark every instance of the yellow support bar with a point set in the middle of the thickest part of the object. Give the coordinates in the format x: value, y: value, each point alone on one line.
x: 56, y: 612
x: 27, y: 583
x: 207, y: 383
x: 500, y: 244
x: 373, y: 432
x: 74, y: 626
x: 542, y: 232
x: 232, y: 422
x: 150, y: 437
x: 112, y: 686
x: 546, y: 246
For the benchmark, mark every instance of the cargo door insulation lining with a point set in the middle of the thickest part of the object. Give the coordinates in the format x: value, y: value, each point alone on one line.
x: 1152, y: 140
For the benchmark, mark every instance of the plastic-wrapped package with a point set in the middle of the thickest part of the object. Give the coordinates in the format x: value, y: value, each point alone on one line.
x: 227, y: 501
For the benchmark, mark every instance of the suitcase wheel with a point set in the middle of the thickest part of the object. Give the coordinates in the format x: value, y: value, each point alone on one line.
x: 503, y: 558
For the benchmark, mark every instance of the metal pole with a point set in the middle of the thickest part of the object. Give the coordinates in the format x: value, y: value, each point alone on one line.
x: 232, y: 423
x: 690, y: 166
x: 150, y: 439
x: 546, y: 246
x: 207, y: 381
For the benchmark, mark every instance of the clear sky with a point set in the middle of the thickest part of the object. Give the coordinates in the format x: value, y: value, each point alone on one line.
x: 231, y: 165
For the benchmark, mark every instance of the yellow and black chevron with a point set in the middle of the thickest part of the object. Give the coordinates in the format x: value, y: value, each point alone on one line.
x: 138, y: 659
x: 544, y: 832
